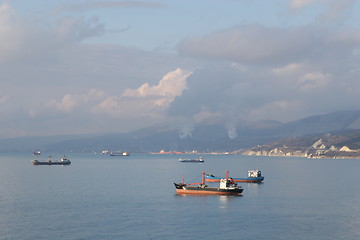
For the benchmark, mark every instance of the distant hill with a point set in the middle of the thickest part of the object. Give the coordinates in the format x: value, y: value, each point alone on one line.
x: 338, y: 139
x: 323, y: 123
x: 205, y: 137
x: 337, y: 144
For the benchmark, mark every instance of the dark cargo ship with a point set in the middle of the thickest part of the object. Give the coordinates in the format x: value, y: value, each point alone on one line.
x: 200, y: 160
x: 227, y: 187
x: 63, y: 161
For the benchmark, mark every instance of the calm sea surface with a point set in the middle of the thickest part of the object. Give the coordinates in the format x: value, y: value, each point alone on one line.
x: 103, y: 197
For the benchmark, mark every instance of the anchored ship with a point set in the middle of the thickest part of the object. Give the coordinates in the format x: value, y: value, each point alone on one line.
x: 63, y: 161
x: 254, y: 176
x: 123, y: 154
x: 36, y: 153
x: 200, y: 160
x: 227, y: 187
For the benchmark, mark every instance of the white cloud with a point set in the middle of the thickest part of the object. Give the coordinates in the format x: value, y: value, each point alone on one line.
x: 314, y: 81
x: 288, y: 70
x: 170, y: 86
x: 121, y: 108
x: 93, y: 94
x: 301, y: 3
x: 146, y: 100
x: 70, y: 102
x: 162, y: 94
x: 109, y: 105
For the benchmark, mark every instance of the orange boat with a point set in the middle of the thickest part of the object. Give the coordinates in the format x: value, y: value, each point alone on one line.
x: 227, y: 187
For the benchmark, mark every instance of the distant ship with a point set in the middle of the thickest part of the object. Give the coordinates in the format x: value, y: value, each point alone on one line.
x: 254, y: 176
x: 105, y: 152
x: 162, y: 151
x: 227, y: 187
x: 36, y: 153
x: 200, y: 160
x: 63, y: 161
x: 119, y: 154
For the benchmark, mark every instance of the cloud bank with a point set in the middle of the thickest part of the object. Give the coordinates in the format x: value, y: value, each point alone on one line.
x: 247, y: 71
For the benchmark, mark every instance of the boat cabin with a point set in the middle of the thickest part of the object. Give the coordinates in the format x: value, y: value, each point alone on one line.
x: 227, y: 183
x: 65, y: 160
x: 254, y: 173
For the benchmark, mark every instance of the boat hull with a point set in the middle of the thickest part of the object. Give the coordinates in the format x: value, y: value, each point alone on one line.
x: 119, y: 154
x: 193, y: 161
x: 248, y: 179
x: 51, y: 163
x: 183, y: 189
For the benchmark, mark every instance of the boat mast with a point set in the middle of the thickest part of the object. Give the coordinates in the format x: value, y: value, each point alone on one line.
x: 203, y: 178
x: 227, y: 174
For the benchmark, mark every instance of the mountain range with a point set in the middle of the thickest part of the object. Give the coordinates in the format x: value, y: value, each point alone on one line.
x: 205, y: 137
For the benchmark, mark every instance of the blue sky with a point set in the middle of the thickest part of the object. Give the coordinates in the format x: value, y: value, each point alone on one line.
x: 78, y: 67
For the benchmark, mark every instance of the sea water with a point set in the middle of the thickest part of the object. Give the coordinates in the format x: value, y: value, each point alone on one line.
x: 103, y: 197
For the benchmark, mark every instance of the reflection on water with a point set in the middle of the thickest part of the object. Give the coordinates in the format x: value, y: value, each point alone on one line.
x: 225, y: 200
x: 252, y: 188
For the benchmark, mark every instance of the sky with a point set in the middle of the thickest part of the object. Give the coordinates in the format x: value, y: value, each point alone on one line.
x: 90, y: 67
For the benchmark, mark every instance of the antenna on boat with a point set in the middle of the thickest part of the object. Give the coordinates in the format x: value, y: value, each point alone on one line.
x: 183, y: 180
x: 227, y: 174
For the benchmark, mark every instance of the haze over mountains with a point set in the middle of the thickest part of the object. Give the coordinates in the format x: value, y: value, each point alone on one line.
x: 207, y: 137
